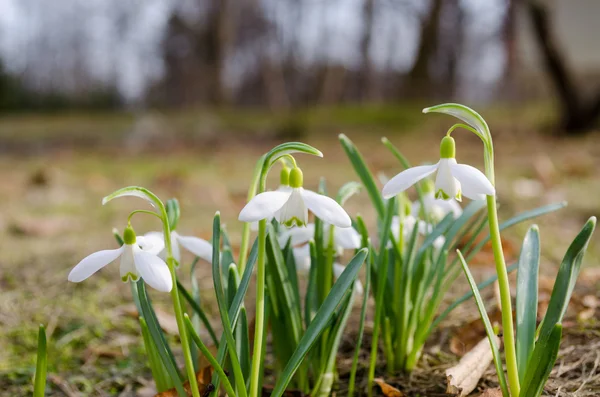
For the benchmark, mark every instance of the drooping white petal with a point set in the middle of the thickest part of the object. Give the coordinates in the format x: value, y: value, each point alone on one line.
x: 92, y: 263
x: 326, y: 209
x: 195, y: 245
x: 446, y: 185
x: 263, y: 206
x: 337, y: 272
x: 175, y: 250
x: 347, y: 238
x: 451, y: 205
x: 302, y: 259
x: 406, y: 179
x: 152, y: 242
x: 474, y: 183
x: 298, y: 235
x: 439, y: 242
x: 294, y: 211
x: 153, y: 270
x: 128, y: 269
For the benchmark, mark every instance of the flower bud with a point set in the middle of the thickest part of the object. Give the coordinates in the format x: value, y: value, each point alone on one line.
x: 129, y: 236
x: 447, y: 148
x: 296, y: 178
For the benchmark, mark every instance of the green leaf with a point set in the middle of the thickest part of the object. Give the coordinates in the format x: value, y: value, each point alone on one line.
x: 235, y: 309
x: 207, y: 354
x: 222, y: 304
x: 488, y: 326
x: 566, y: 278
x: 135, y: 191
x: 348, y: 190
x: 286, y: 149
x: 364, y: 174
x: 198, y: 310
x: 361, y: 323
x: 541, y: 363
x: 467, y: 296
x: 39, y: 385
x: 243, y: 342
x: 465, y: 114
x: 173, y: 213
x: 159, y: 340
x: 320, y: 321
x: 156, y: 366
x: 527, y: 298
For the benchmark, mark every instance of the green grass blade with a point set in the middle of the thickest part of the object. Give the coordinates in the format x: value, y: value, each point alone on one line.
x: 364, y: 174
x: 566, y: 278
x: 541, y: 363
x: 488, y: 326
x: 235, y: 309
x: 467, y: 296
x: 158, y: 338
x: 527, y: 298
x: 39, y: 385
x: 320, y: 321
x: 156, y: 366
x: 361, y: 326
x: 223, y: 310
x: 198, y: 310
x: 243, y: 342
x: 310, y: 300
x: 207, y: 354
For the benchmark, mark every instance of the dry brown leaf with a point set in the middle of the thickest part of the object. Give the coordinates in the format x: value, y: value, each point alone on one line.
x: 463, y: 377
x: 491, y: 393
x: 204, y: 386
x: 467, y: 336
x: 387, y: 390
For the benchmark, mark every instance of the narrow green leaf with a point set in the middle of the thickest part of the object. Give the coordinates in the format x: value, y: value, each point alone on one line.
x: 566, y: 278
x: 198, y: 310
x: 465, y: 114
x: 156, y: 366
x: 364, y: 174
x: 348, y: 190
x: 222, y: 304
x: 243, y: 342
x: 527, y: 298
x: 159, y: 340
x: 541, y: 363
x: 135, y: 191
x: 207, y: 354
x: 320, y: 321
x: 286, y: 149
x: 173, y: 212
x: 488, y: 326
x: 39, y: 385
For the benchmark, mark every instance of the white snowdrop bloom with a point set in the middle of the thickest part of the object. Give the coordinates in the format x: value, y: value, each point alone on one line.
x: 291, y: 207
x: 135, y: 263
x: 408, y: 224
x: 197, y: 246
x: 453, y: 180
x: 281, y: 188
x: 343, y: 238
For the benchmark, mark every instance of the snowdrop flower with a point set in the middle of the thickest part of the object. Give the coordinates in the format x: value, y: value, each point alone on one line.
x: 343, y: 238
x: 135, y: 262
x: 291, y: 207
x: 436, y: 208
x: 197, y: 246
x: 408, y: 223
x: 284, y: 186
x: 452, y: 181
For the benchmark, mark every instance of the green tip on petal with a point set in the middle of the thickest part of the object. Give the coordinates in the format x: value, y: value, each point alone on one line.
x: 447, y: 148
x: 296, y: 178
x: 284, y: 176
x: 294, y: 221
x: 129, y: 236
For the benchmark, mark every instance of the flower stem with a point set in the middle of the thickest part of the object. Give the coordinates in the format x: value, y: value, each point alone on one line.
x: 505, y: 298
x: 260, y: 309
x: 183, y: 335
x: 246, y: 228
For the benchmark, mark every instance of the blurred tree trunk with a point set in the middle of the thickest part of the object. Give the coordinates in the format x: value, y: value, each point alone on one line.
x: 368, y: 89
x: 510, y: 46
x: 223, y: 36
x: 419, y: 83
x: 577, y: 115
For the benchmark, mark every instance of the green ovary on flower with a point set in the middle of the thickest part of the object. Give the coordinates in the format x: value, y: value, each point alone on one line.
x: 447, y: 148
x: 296, y: 178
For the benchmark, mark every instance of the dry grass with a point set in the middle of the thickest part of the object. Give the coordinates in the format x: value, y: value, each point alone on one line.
x: 52, y: 185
